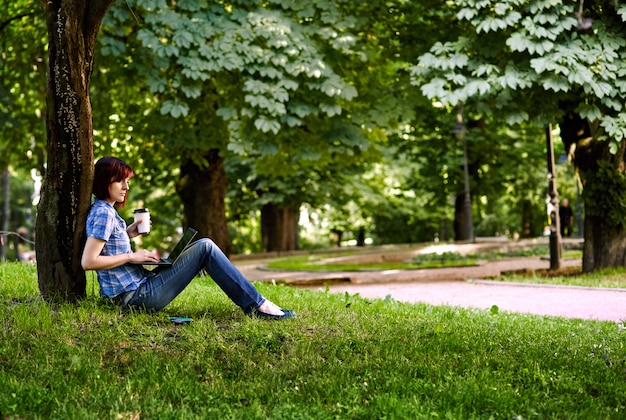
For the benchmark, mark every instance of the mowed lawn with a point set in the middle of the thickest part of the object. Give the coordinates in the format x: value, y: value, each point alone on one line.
x: 343, y: 357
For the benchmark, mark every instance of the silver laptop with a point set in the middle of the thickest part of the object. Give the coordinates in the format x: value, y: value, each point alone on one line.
x: 178, y: 249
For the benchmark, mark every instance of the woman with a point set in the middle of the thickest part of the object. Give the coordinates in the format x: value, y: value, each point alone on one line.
x: 108, y: 251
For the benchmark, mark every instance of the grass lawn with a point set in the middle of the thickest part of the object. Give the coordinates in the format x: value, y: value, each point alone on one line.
x: 316, y: 262
x: 572, y: 276
x: 344, y: 357
x: 328, y: 261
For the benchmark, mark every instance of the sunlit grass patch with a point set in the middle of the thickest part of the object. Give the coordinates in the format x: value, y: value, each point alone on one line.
x: 318, y: 263
x: 343, y: 357
x: 611, y: 278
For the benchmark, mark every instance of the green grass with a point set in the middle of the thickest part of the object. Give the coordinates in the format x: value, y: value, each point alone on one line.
x: 610, y: 277
x: 345, y: 357
x: 317, y: 263
x: 324, y: 261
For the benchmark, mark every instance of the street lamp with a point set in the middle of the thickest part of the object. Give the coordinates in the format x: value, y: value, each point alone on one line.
x: 553, y: 205
x: 459, y: 131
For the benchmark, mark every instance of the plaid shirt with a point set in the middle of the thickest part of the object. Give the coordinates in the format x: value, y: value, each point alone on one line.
x: 103, y: 222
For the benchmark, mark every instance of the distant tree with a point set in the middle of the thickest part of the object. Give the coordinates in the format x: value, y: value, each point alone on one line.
x: 547, y: 62
x: 242, y: 79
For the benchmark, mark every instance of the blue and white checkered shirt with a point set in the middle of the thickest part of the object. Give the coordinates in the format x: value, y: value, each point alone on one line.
x: 103, y: 222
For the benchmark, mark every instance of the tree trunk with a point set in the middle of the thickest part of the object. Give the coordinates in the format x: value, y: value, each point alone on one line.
x: 605, y: 245
x: 279, y: 228
x: 66, y: 188
x: 460, y: 219
x: 528, y: 228
x: 603, y: 176
x: 360, y: 237
x: 202, y: 191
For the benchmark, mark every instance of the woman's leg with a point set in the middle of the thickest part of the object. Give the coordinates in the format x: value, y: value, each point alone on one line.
x: 158, y: 291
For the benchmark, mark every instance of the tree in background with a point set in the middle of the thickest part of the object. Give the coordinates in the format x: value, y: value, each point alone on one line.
x: 547, y: 62
x: 263, y: 67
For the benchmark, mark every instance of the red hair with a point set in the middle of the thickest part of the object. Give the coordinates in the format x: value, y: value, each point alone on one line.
x: 107, y: 171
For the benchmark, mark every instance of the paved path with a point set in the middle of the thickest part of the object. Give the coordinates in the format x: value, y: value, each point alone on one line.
x: 570, y: 302
x: 463, y: 287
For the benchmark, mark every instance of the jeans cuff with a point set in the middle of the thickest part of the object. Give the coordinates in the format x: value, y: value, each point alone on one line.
x: 251, y: 308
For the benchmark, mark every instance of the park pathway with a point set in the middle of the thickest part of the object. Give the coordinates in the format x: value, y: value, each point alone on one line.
x: 464, y: 287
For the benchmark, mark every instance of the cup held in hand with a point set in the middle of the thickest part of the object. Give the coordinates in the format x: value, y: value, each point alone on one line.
x: 144, y: 216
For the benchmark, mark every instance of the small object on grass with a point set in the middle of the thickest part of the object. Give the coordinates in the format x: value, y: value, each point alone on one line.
x: 180, y: 320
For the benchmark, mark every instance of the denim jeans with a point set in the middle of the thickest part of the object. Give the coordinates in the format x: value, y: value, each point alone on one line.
x: 159, y: 290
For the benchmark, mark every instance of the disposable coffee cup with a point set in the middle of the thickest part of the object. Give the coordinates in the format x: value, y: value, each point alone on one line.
x: 144, y: 216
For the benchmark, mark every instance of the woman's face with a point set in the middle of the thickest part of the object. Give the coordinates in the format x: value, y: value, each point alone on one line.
x: 118, y: 191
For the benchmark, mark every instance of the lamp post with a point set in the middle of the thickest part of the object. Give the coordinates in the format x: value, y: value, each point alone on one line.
x: 553, y: 205
x: 460, y: 131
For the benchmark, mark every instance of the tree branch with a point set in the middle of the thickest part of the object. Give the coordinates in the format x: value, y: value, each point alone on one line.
x: 18, y: 17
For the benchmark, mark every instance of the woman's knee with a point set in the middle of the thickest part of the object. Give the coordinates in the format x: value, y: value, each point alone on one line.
x: 208, y: 245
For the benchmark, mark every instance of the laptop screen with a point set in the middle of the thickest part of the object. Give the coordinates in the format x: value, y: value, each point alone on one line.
x: 182, y: 244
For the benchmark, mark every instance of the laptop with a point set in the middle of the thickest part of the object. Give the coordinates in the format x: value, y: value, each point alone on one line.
x: 178, y: 249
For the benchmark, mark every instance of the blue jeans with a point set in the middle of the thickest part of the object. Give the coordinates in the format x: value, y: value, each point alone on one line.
x: 159, y: 290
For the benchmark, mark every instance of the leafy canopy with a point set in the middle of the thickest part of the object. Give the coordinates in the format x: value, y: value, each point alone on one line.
x: 520, y: 59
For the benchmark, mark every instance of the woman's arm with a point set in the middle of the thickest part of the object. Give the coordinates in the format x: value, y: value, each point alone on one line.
x: 92, y: 260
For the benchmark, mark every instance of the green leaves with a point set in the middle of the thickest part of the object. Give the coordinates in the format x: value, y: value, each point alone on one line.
x: 174, y: 108
x: 513, y: 46
x: 264, y: 55
x: 266, y: 125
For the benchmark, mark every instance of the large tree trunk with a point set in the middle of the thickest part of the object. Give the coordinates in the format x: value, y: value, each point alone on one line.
x: 603, y: 176
x: 279, y: 228
x: 605, y: 245
x: 66, y: 190
x: 202, y: 191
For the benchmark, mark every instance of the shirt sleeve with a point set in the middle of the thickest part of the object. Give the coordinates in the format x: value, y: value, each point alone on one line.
x: 100, y: 223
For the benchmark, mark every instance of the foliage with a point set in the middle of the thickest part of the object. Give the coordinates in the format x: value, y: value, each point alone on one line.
x: 275, y: 57
x: 361, y: 359
x: 23, y: 85
x: 519, y: 59
x: 266, y: 69
x: 541, y: 63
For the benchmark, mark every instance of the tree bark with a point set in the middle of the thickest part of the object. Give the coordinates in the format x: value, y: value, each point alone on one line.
x: 202, y: 190
x: 460, y: 219
x: 605, y: 245
x: 603, y: 176
x: 279, y: 228
x: 66, y: 188
x: 528, y: 228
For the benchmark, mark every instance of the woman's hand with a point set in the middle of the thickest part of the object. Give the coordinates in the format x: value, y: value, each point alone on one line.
x: 92, y: 260
x: 133, y: 229
x: 144, y: 256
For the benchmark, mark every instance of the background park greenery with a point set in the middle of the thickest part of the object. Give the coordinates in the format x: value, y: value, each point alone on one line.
x: 359, y: 151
